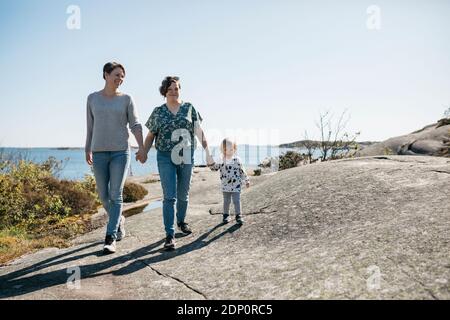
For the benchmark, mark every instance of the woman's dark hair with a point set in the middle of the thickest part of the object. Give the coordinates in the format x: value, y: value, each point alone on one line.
x: 166, y: 84
x: 110, y: 66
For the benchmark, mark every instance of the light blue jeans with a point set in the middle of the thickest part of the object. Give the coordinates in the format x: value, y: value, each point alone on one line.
x: 227, y: 196
x: 175, y: 183
x: 110, y: 171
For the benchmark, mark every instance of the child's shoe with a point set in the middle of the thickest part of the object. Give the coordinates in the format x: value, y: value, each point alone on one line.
x: 169, y: 244
x: 239, y: 219
x: 226, y: 218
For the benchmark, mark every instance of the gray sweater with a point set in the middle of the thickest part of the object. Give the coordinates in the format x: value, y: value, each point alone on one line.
x: 107, y: 120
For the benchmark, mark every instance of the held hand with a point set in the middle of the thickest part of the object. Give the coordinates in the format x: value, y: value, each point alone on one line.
x: 209, y: 161
x: 211, y: 166
x: 141, y: 156
x: 89, y: 158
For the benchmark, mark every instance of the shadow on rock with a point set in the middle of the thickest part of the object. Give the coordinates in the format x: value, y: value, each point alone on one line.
x: 17, y: 283
x: 197, y: 244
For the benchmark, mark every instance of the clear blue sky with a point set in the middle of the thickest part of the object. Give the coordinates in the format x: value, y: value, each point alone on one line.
x: 246, y: 65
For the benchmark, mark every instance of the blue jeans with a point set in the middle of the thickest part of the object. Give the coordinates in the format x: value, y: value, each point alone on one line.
x: 110, y: 171
x: 227, y: 196
x: 175, y: 182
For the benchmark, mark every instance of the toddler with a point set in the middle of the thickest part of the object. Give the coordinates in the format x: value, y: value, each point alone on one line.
x: 232, y: 176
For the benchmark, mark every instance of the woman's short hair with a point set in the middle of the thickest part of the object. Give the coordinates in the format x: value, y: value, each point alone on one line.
x: 166, y: 83
x: 110, y: 66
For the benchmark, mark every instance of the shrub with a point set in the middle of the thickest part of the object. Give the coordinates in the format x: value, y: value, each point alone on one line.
x: 73, y: 195
x: 88, y: 184
x: 447, y: 112
x: 133, y: 192
x: 38, y: 210
x: 54, y: 166
x: 290, y: 160
x: 30, y: 195
x: 12, y: 200
x: 387, y: 151
x: 23, y: 193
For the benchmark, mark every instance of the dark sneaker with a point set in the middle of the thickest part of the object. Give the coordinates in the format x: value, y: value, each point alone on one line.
x: 226, y: 218
x: 170, y: 243
x: 184, y: 227
x: 121, y: 231
x: 239, y: 219
x: 110, y: 245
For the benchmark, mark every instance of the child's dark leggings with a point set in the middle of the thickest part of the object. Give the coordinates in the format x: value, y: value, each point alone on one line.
x: 227, y: 196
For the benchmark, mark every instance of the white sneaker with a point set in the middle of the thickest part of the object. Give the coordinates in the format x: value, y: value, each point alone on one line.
x: 121, y: 231
x: 110, y: 245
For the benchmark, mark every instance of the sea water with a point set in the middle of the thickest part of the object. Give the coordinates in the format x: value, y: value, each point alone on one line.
x: 75, y: 166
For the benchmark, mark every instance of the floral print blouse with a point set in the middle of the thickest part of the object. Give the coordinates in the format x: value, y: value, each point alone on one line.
x: 172, y: 129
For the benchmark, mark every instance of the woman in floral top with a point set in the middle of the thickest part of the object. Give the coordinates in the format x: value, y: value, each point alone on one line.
x: 175, y: 124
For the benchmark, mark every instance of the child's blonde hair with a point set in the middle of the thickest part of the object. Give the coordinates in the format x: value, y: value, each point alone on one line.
x: 227, y: 144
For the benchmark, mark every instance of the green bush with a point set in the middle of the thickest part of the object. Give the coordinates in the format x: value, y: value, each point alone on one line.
x: 88, y: 184
x: 73, y: 195
x: 290, y: 160
x: 38, y: 210
x: 12, y: 200
x: 30, y: 195
x: 133, y: 192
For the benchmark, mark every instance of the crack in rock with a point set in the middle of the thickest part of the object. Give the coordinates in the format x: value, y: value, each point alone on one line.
x: 169, y: 276
x: 381, y: 158
x: 402, y: 161
x: 260, y: 211
x: 440, y: 171
x: 176, y: 279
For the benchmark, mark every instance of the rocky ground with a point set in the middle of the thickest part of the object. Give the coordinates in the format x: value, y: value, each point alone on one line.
x: 363, y: 228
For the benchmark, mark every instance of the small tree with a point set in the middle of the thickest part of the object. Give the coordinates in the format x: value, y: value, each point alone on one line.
x: 54, y: 166
x: 447, y: 112
x: 334, y: 139
x: 309, y: 146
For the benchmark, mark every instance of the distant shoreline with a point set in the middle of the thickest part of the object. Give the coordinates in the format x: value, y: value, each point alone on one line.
x: 295, y: 144
x: 301, y: 143
x: 49, y: 148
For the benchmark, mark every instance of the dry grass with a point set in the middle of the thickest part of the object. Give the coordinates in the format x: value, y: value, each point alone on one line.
x: 13, y: 247
x: 17, y: 241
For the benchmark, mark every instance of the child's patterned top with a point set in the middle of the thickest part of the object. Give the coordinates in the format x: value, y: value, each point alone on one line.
x: 232, y: 174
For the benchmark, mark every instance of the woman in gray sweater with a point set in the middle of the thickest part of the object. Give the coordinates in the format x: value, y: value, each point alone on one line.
x: 107, y: 149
